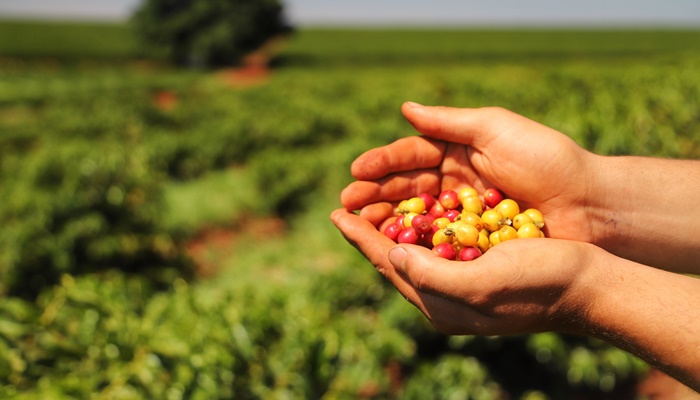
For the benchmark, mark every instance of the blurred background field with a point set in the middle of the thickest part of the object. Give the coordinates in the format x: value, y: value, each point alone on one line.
x: 164, y: 231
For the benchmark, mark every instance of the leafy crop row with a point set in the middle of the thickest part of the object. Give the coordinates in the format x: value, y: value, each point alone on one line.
x: 98, y: 294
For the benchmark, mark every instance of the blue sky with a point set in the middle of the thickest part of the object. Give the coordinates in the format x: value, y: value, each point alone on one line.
x: 414, y: 12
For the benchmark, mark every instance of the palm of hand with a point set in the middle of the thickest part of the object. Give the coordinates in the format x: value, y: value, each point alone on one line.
x: 546, y: 179
x: 547, y: 176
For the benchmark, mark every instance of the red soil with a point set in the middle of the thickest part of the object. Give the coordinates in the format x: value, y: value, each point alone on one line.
x: 165, y: 100
x: 254, y: 71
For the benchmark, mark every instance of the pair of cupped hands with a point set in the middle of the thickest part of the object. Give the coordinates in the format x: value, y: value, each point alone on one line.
x: 519, y: 286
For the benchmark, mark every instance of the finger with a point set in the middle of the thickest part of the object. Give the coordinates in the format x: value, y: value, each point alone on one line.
x: 375, y: 247
x: 440, y: 285
x: 438, y: 294
x: 428, y: 273
x: 363, y: 235
x: 392, y: 188
x: 377, y: 213
x: 470, y: 126
x: 453, y: 317
x: 406, y: 154
x: 457, y: 170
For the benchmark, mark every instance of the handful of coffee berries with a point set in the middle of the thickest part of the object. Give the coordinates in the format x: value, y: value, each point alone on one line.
x: 462, y: 225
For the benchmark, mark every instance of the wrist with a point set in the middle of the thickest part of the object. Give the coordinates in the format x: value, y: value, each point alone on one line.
x: 602, y: 211
x: 576, y: 312
x: 638, y: 209
x: 632, y: 306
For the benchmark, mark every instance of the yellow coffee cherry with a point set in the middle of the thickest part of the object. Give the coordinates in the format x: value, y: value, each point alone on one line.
x: 509, y: 208
x: 536, y: 216
x: 494, y: 239
x: 441, y: 222
x: 466, y: 192
x: 529, y: 230
x: 472, y: 219
x: 415, y: 205
x: 483, y: 244
x: 521, y: 219
x: 492, y: 220
x: 408, y: 218
x: 401, y: 208
x: 442, y: 236
x: 472, y: 204
x: 507, y: 232
x: 465, y: 234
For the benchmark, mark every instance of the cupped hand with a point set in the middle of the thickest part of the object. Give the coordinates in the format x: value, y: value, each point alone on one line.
x: 518, y: 286
x: 487, y: 147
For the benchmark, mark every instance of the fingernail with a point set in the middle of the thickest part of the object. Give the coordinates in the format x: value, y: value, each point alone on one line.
x: 413, y: 104
x: 335, y: 215
x: 397, y: 257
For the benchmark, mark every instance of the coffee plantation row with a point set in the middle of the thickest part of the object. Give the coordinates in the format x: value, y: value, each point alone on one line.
x: 100, y: 298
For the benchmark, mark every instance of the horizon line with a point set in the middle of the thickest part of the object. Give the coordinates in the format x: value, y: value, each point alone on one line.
x: 393, y: 24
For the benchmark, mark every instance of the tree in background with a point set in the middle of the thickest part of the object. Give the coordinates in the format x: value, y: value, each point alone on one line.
x: 208, y: 33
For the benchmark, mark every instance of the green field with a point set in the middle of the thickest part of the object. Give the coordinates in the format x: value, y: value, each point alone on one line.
x: 104, y: 190
x: 66, y: 40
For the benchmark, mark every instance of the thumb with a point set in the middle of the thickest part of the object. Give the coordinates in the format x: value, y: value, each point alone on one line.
x: 425, y: 271
x: 470, y: 126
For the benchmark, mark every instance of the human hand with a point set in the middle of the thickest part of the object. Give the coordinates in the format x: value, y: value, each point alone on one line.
x: 518, y: 286
x: 534, y: 285
x: 513, y: 288
x: 489, y: 147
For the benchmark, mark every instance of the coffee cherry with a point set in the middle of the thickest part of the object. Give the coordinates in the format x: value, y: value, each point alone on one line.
x: 452, y: 215
x: 520, y: 220
x: 536, y: 216
x: 529, y: 230
x: 466, y: 192
x: 472, y: 219
x: 492, y: 197
x: 426, y: 239
x: 483, y: 244
x: 507, y: 232
x: 469, y: 253
x: 392, y: 231
x: 421, y: 223
x: 472, y: 204
x: 408, y: 218
x: 442, y: 236
x: 415, y: 205
x: 493, y: 238
x: 401, y: 208
x: 449, y: 199
x: 428, y: 199
x: 508, y: 208
x: 441, y: 222
x: 437, y: 210
x: 465, y: 234
x: 408, y: 235
x: 446, y: 251
x: 492, y: 219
